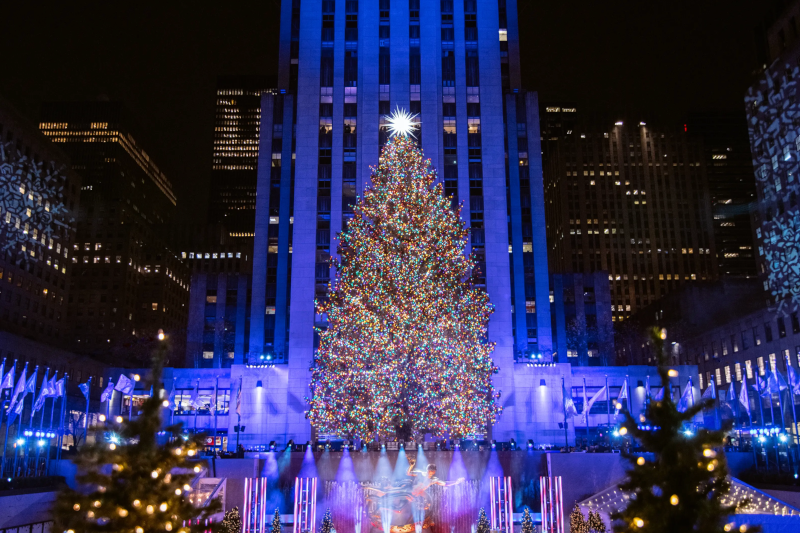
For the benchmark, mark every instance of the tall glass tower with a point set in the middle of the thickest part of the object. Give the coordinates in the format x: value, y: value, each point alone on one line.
x: 343, y: 66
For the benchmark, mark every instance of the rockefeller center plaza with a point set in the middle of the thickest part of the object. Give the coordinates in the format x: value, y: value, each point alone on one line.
x: 400, y: 266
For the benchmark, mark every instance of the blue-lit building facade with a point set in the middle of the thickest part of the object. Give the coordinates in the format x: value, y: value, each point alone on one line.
x: 344, y: 65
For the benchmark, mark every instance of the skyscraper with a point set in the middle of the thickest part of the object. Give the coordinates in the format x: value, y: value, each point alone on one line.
x: 773, y: 118
x: 127, y: 283
x: 343, y: 67
x: 630, y: 198
x: 732, y: 187
x: 237, y: 118
x: 38, y: 202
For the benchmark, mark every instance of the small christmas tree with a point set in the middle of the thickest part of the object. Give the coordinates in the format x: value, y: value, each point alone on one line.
x: 276, y: 522
x: 483, y: 523
x: 232, y: 523
x: 685, y: 484
x: 596, y: 524
x: 136, y: 484
x: 577, y: 523
x: 327, y: 523
x: 527, y: 521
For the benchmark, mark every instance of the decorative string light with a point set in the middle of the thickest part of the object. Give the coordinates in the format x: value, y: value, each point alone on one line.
x: 406, y: 338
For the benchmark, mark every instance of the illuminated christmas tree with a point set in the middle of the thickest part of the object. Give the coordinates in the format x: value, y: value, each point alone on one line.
x: 595, y: 523
x: 276, y: 522
x: 577, y: 522
x: 483, y: 523
x: 684, y: 485
x: 327, y: 523
x: 232, y: 522
x: 140, y: 484
x: 527, y: 522
x: 406, y: 339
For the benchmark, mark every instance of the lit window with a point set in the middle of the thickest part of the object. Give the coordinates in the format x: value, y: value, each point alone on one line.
x: 208, y: 355
x: 155, y: 306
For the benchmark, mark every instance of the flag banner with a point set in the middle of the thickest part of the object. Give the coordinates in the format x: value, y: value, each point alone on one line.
x: 744, y: 398
x: 84, y: 387
x: 124, y: 384
x: 19, y: 389
x: 794, y: 381
x: 686, y: 398
x: 107, y: 392
x: 730, y: 399
x: 61, y: 387
x: 660, y: 394
x: 599, y: 395
x: 30, y: 385
x: 711, y: 391
x: 51, y: 386
x: 776, y: 383
x: 8, y: 379
x: 569, y: 405
x: 42, y: 393
x: 647, y: 389
x: 172, y: 397
x: 239, y: 398
x: 623, y: 395
x: 194, y: 399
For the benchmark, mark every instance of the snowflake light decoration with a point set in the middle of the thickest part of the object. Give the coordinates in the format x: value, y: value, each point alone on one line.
x: 402, y: 123
x: 31, y: 204
x: 782, y: 253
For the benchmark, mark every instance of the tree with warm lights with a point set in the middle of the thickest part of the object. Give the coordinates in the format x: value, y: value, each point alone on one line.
x: 527, y: 522
x: 483, y: 523
x: 577, y: 522
x: 684, y: 486
x: 143, y: 483
x: 595, y: 523
x: 232, y: 523
x: 327, y: 523
x: 276, y: 522
x: 406, y: 341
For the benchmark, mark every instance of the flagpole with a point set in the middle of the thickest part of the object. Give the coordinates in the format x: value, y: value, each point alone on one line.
x: 53, y: 405
x: 13, y: 401
x: 608, y: 408
x: 25, y: 460
x: 791, y: 399
x: 61, y: 424
x: 172, y: 407
x: 130, y: 405
x: 628, y: 391
x: 41, y: 420
x: 564, y: 407
x: 2, y: 409
x: 216, y: 388
x: 196, y: 408
x: 783, y: 421
x: 86, y: 420
x: 761, y: 411
x: 585, y: 412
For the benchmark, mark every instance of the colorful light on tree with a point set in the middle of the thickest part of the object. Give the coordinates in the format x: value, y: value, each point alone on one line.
x: 406, y: 338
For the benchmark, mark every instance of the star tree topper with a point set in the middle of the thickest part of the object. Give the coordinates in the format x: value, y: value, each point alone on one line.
x: 402, y: 123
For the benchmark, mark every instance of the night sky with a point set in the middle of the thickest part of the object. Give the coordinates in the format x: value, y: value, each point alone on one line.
x: 665, y: 57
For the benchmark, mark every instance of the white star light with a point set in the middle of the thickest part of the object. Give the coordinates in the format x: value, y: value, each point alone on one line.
x: 401, y: 122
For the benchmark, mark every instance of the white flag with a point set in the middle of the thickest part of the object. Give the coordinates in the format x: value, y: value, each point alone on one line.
x: 744, y: 398
x: 124, y: 384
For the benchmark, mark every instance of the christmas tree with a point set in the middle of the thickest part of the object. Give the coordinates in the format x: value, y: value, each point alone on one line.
x: 276, y: 522
x: 134, y: 483
x: 577, y: 523
x: 527, y: 521
x: 683, y: 487
x: 232, y: 523
x: 596, y: 524
x: 327, y: 523
x: 406, y: 339
x: 483, y: 523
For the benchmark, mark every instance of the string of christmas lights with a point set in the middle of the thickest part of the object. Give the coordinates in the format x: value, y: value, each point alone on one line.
x: 406, y: 338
